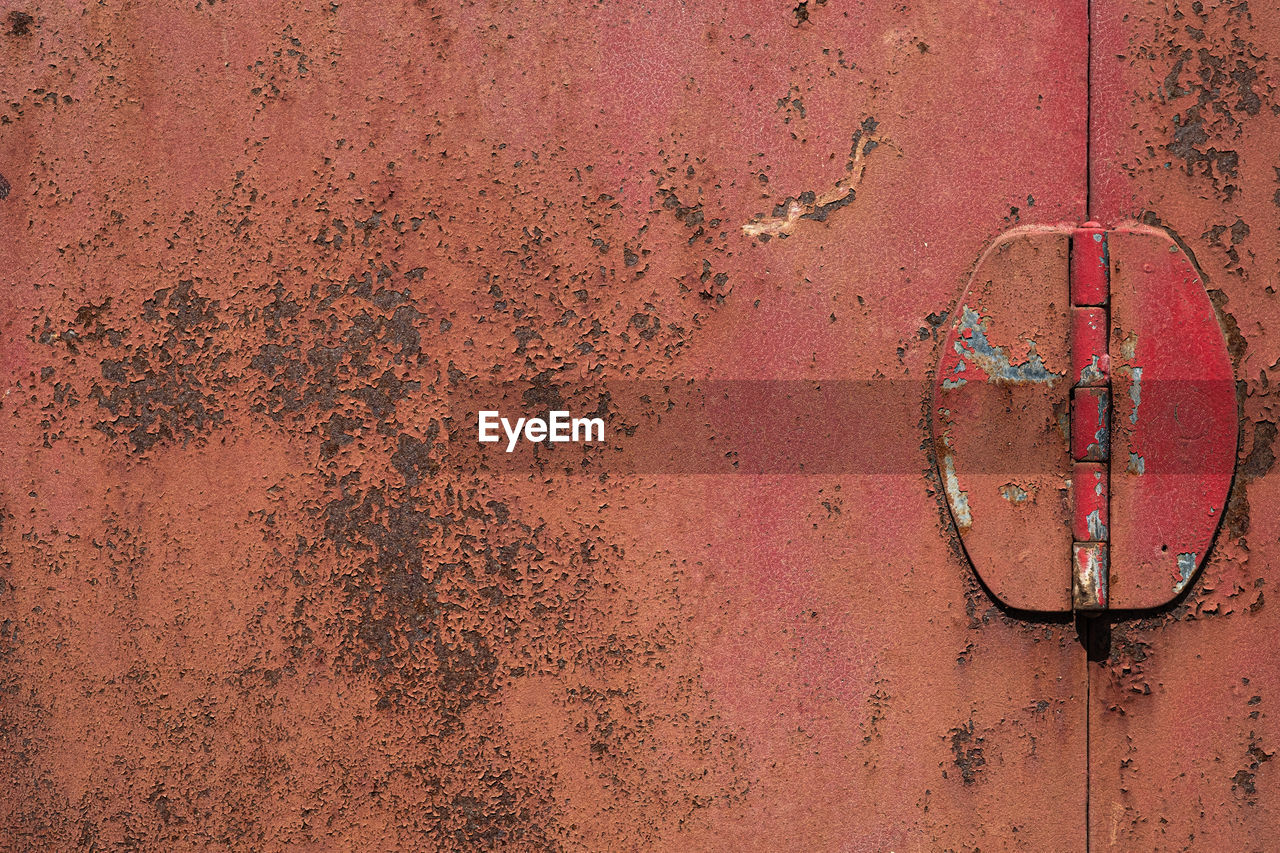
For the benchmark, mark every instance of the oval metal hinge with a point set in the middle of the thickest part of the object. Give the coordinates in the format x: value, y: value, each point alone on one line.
x: 1084, y: 419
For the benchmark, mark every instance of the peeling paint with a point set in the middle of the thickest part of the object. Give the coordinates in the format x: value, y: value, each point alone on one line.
x: 817, y: 208
x: 1135, y: 393
x: 1013, y: 493
x: 1102, y: 436
x: 1089, y: 583
x: 1063, y: 422
x: 1186, y: 566
x: 970, y: 757
x: 1097, y: 528
x: 1091, y: 428
x: 1137, y: 465
x: 1129, y: 346
x: 956, y: 381
x: 957, y: 497
x: 1090, y: 374
x: 994, y: 360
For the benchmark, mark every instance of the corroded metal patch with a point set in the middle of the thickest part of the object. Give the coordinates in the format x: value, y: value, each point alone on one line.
x: 1000, y: 420
x: 1089, y: 576
x: 1091, y: 424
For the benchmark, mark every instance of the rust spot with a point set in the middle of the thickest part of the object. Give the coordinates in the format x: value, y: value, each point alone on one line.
x: 20, y: 23
x: 1262, y: 455
x: 803, y: 11
x: 1245, y: 780
x: 967, y: 752
x: 810, y: 206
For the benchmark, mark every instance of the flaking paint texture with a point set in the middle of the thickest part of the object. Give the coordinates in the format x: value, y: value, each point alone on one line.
x: 1186, y: 118
x: 259, y: 591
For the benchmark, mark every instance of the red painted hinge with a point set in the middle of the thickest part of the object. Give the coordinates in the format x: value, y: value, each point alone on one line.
x: 1090, y: 417
x: 1084, y: 419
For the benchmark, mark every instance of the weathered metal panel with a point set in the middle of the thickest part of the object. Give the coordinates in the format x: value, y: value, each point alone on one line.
x: 1174, y: 434
x: 1184, y: 116
x: 1001, y: 424
x: 260, y: 590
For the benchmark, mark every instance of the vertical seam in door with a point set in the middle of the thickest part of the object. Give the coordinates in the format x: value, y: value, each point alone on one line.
x: 1088, y: 110
x: 1089, y: 626
x: 1088, y: 746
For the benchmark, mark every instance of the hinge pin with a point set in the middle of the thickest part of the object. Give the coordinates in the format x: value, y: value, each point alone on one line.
x: 1090, y: 417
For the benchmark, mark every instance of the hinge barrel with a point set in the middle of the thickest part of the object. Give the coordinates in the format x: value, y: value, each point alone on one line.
x: 1090, y: 418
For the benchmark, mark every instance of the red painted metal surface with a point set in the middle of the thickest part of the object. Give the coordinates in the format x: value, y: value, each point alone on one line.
x: 999, y: 409
x: 1000, y: 420
x: 1174, y: 435
x: 1089, y: 265
x: 1090, y: 359
x: 1183, y: 727
x: 261, y: 591
x: 1091, y: 424
x: 1090, y: 517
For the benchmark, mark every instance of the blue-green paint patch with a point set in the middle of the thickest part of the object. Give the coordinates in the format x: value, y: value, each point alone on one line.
x: 1135, y: 394
x: 1097, y: 529
x: 958, y: 498
x: 1186, y: 565
x: 1013, y: 493
x: 1090, y: 374
x: 994, y: 360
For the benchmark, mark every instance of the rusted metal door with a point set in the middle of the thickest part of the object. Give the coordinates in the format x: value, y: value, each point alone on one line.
x: 1184, y: 126
x: 264, y: 263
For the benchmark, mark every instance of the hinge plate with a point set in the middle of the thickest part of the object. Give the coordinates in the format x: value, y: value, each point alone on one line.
x: 1084, y: 419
